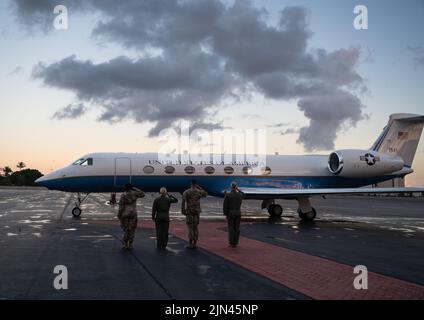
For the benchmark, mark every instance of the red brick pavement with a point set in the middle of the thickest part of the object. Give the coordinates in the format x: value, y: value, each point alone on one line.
x: 315, y: 277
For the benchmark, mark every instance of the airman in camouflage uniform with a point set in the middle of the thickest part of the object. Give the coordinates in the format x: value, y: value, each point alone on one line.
x: 190, y: 207
x: 127, y: 213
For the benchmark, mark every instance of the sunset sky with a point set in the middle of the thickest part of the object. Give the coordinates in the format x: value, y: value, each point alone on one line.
x: 120, y: 74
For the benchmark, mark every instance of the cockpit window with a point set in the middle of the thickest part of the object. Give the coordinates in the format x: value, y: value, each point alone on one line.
x: 87, y: 162
x: 78, y: 162
x: 84, y: 162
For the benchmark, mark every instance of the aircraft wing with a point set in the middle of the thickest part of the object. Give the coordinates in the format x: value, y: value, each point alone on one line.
x: 278, y: 193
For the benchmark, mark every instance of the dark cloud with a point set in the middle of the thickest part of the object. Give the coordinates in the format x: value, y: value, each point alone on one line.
x: 207, y: 52
x: 327, y: 112
x: 159, y: 90
x: 71, y: 111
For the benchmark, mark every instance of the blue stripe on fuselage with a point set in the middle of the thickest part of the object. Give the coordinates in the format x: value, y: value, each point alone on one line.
x: 214, y: 185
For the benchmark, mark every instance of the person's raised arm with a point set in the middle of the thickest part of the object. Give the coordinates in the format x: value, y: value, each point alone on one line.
x: 241, y: 192
x: 154, y: 209
x: 172, y: 199
x: 139, y: 193
x: 203, y: 193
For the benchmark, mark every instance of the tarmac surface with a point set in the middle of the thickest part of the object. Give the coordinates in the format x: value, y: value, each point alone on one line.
x: 283, y: 259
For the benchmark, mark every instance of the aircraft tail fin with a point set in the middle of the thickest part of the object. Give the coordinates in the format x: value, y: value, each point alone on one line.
x: 401, y: 136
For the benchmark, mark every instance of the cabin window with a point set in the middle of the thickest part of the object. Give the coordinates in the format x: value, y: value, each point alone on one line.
x: 189, y: 170
x: 209, y: 170
x: 229, y: 170
x: 169, y: 169
x: 247, y: 170
x: 148, y: 169
x: 266, y: 170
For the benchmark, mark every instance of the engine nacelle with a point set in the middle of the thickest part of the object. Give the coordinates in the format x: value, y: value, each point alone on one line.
x: 362, y: 163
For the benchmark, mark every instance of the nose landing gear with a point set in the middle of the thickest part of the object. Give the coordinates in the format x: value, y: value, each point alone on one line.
x: 76, y: 212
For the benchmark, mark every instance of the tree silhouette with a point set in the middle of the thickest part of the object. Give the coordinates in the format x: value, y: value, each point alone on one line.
x: 7, y: 171
x: 21, y: 165
x: 24, y: 177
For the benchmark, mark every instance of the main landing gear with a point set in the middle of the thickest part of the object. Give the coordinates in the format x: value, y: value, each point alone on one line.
x: 275, y: 210
x: 76, y: 212
x: 307, y: 216
x: 306, y: 211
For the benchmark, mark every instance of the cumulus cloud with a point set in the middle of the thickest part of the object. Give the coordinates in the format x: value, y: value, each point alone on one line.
x: 209, y: 52
x: 160, y: 90
x: 71, y: 111
x: 327, y: 111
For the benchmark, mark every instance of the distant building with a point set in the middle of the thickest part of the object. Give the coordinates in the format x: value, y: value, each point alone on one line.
x: 394, y: 183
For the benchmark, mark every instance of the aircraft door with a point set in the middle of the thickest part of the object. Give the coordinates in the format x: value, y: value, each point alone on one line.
x: 122, y: 171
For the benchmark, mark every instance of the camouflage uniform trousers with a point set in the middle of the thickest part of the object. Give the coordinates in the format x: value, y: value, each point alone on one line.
x: 129, y: 225
x: 192, y: 221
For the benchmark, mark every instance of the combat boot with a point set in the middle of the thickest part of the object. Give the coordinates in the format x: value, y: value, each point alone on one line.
x: 190, y: 245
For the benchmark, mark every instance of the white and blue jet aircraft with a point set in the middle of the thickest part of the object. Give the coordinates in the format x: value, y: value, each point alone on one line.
x: 295, y: 177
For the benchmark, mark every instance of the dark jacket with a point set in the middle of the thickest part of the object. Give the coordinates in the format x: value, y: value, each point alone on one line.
x: 161, y: 205
x: 232, y: 203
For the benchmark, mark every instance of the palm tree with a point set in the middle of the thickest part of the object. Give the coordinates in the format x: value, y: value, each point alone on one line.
x: 21, y: 165
x: 7, y: 171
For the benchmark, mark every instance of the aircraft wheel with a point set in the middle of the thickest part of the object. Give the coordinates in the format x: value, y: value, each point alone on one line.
x: 76, y: 212
x: 308, y: 216
x: 275, y: 210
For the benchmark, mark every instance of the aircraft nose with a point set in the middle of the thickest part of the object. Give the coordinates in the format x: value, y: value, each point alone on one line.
x: 48, y: 179
x: 40, y: 181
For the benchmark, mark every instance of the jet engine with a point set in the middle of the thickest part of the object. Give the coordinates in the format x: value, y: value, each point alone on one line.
x: 362, y: 163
